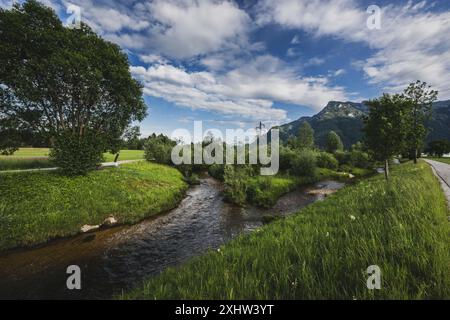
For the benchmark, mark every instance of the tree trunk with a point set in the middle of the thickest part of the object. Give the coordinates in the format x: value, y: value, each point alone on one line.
x: 416, y: 151
x: 117, y: 157
x: 386, y: 169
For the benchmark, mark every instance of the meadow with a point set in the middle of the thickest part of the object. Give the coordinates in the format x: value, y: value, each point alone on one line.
x: 38, y: 206
x: 324, y: 250
x: 35, y: 158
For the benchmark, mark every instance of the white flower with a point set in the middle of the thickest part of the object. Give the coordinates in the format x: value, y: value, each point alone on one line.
x: 352, y: 217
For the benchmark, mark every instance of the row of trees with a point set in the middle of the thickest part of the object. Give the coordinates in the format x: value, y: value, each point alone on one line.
x: 305, y: 139
x: 396, y: 123
x: 66, y: 85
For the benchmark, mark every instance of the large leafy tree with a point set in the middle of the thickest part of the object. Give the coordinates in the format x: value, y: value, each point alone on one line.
x: 386, y: 127
x: 306, y: 136
x: 65, y: 83
x: 421, y: 98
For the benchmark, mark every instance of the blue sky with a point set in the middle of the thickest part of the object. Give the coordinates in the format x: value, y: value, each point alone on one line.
x: 232, y: 64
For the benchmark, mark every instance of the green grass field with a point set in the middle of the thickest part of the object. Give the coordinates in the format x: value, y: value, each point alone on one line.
x: 38, y: 206
x: 324, y: 250
x: 444, y: 160
x: 34, y: 158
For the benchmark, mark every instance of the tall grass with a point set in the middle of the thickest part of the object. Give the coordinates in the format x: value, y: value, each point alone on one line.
x: 323, y: 252
x: 17, y: 163
x: 38, y: 206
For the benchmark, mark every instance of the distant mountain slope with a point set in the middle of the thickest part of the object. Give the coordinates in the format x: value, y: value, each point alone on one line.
x: 346, y: 118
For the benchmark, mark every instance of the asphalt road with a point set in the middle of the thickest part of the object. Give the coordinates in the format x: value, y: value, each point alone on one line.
x: 442, y: 170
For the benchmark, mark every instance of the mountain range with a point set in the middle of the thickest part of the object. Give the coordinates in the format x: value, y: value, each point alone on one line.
x: 346, y: 119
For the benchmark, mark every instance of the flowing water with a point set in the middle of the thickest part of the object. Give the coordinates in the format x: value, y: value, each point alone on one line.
x: 119, y: 258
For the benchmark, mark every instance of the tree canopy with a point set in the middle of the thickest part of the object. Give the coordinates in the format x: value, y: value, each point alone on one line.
x: 306, y: 136
x: 386, y: 127
x: 334, y: 142
x: 421, y: 98
x: 57, y: 81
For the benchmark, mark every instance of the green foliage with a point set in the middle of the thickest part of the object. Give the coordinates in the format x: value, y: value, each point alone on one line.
x: 35, y: 158
x: 76, y: 155
x: 386, y: 127
x: 359, y: 159
x: 327, y: 160
x: 286, y: 157
x: 264, y: 191
x: 333, y: 143
x: 342, y: 157
x: 159, y: 149
x: 305, y: 136
x: 304, y: 163
x: 40, y: 206
x: 438, y: 148
x: 235, y: 178
x: 217, y: 171
x: 8, y: 150
x: 131, y: 140
x: 421, y: 98
x: 55, y: 79
x: 18, y: 163
x: 323, y: 251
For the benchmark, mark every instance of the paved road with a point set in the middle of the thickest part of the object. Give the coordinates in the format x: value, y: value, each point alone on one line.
x: 442, y: 170
x: 104, y: 164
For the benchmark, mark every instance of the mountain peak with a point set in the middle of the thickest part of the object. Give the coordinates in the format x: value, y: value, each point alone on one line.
x: 335, y: 109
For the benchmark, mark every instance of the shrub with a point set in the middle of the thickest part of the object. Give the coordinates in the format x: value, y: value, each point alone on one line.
x: 77, y: 155
x: 327, y: 160
x: 159, y: 149
x: 216, y: 171
x: 286, y: 157
x: 359, y: 159
x: 342, y: 157
x: 304, y: 163
x: 264, y: 191
x: 235, y: 179
x: 8, y: 151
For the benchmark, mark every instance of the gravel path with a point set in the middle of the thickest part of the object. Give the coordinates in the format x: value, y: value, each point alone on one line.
x: 104, y: 164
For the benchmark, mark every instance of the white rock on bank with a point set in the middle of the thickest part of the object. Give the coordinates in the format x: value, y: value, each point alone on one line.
x: 110, y: 221
x: 87, y: 228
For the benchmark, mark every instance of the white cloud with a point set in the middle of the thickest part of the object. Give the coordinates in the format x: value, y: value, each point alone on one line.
x: 295, y: 40
x: 249, y: 91
x: 173, y: 28
x: 314, y: 62
x: 412, y: 44
x: 196, y: 27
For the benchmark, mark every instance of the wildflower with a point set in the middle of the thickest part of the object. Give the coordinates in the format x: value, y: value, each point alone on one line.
x: 352, y: 217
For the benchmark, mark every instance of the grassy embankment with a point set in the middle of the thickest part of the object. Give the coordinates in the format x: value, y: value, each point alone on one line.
x: 325, y: 249
x: 264, y: 191
x: 38, y: 206
x: 444, y: 160
x: 34, y: 158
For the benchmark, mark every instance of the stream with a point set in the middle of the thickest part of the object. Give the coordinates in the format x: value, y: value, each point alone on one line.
x: 119, y: 258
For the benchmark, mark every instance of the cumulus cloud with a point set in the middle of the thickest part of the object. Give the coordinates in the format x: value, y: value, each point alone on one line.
x: 412, y: 43
x: 249, y: 90
x: 174, y: 28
